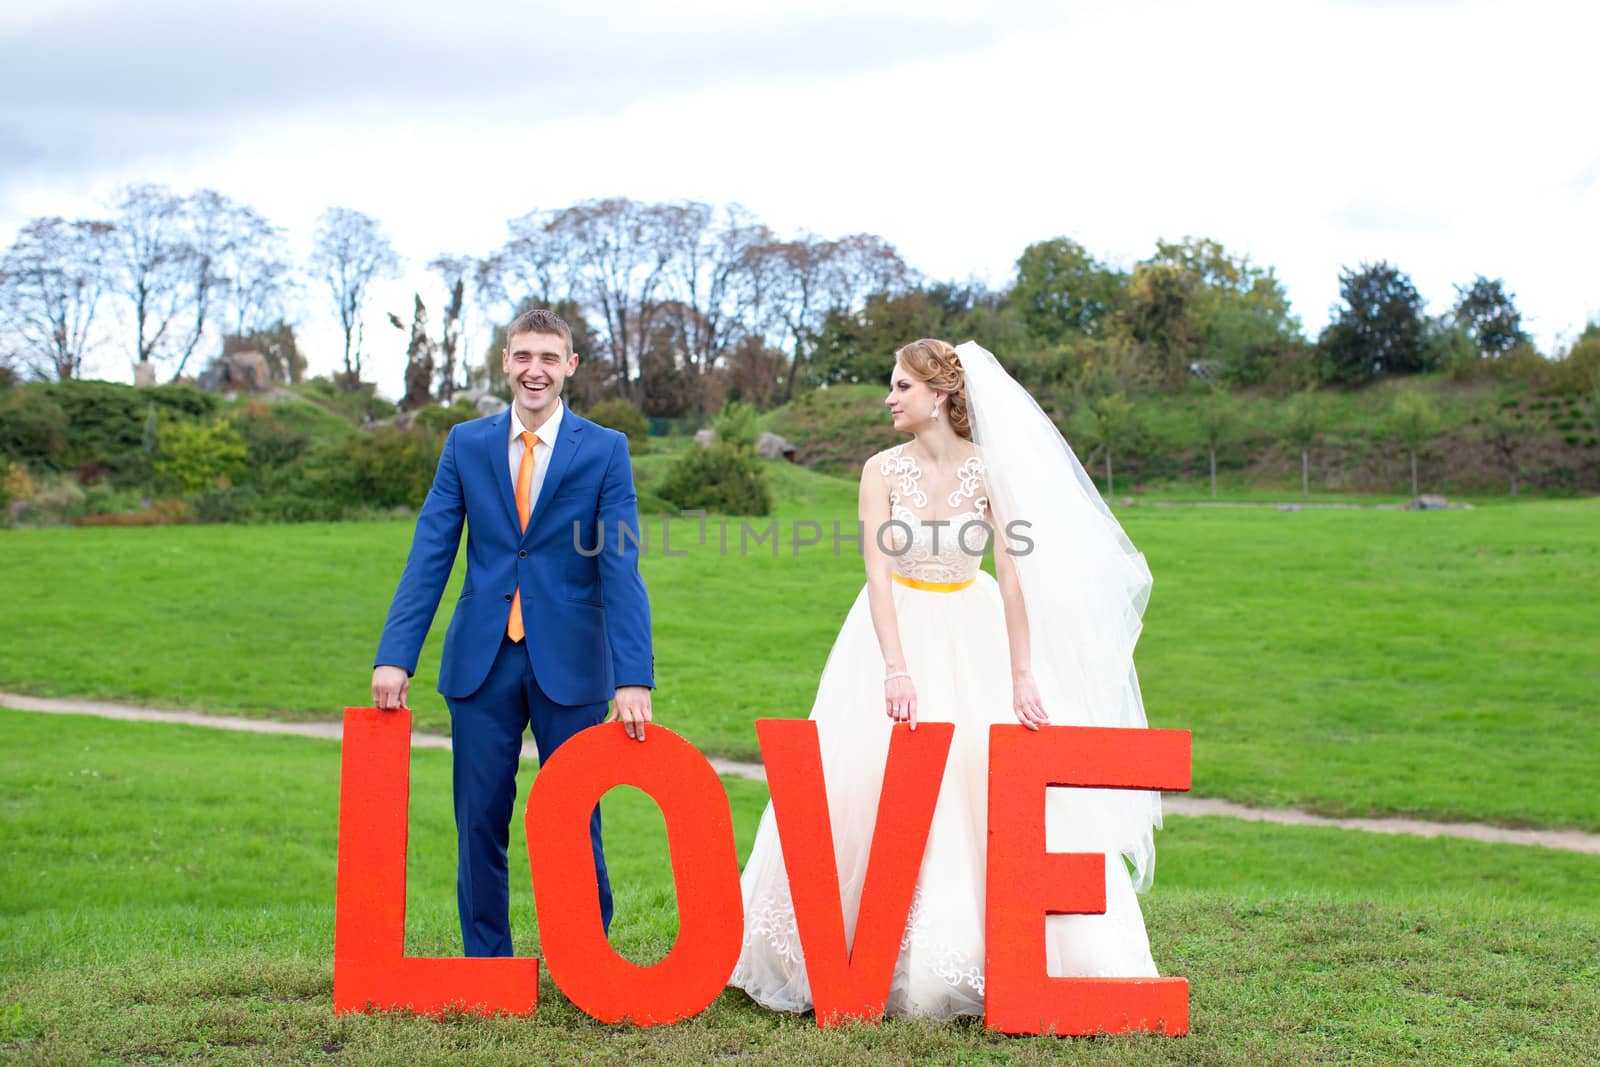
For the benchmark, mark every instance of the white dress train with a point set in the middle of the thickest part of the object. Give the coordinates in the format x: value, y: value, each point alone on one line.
x: 956, y: 651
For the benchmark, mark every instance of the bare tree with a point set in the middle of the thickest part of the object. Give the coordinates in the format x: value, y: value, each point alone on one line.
x: 534, y: 268
x: 351, y: 253
x: 754, y: 372
x: 791, y: 286
x: 791, y: 280
x: 865, y: 265
x: 260, y: 279
x: 212, y: 225
x: 153, y: 265
x: 685, y: 282
x: 619, y: 250
x: 708, y: 258
x: 51, y: 281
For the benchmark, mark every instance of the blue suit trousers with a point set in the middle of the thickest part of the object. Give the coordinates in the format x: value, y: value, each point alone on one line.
x: 486, y: 730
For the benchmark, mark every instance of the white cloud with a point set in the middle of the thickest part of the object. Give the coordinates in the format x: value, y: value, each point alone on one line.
x: 1446, y: 138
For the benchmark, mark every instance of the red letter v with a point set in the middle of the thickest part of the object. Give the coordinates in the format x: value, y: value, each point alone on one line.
x: 852, y: 982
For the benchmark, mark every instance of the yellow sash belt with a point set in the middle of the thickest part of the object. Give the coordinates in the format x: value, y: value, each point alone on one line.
x: 932, y: 587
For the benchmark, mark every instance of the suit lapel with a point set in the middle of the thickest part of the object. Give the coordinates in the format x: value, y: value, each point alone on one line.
x: 568, y: 441
x: 496, y: 446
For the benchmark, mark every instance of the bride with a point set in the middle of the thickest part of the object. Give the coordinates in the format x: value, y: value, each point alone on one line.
x: 933, y: 638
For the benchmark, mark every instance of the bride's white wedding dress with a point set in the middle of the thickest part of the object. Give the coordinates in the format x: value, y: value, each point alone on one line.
x: 952, y: 629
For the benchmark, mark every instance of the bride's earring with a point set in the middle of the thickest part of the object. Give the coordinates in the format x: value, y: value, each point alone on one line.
x: 935, y: 415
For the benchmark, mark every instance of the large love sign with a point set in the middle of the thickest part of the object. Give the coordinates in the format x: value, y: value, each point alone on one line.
x: 848, y: 981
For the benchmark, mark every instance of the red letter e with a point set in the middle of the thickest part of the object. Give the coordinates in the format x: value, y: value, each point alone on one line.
x: 1027, y: 883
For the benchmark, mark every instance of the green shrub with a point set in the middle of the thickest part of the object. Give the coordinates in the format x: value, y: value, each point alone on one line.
x: 1413, y: 418
x: 33, y: 429
x: 1578, y: 370
x: 382, y: 468
x: 270, y: 440
x: 651, y: 504
x: 286, y: 502
x: 725, y: 477
x: 623, y: 416
x: 197, y: 456
x: 57, y: 499
x: 1451, y: 347
x: 438, y: 418
x: 286, y: 494
x: 104, y: 423
x: 225, y: 505
x: 279, y: 432
x: 103, y: 498
x: 362, y: 474
x: 738, y: 424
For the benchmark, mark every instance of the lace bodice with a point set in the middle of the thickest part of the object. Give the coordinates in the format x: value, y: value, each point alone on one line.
x: 926, y: 546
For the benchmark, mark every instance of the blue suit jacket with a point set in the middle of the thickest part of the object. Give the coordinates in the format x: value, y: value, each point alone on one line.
x: 587, y: 616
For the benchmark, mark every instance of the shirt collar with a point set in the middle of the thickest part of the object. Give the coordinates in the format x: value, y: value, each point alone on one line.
x: 547, y: 432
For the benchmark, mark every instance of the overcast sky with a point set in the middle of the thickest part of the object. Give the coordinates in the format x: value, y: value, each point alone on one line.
x: 1450, y: 138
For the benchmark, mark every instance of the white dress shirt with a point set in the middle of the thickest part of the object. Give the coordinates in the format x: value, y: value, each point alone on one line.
x: 541, y: 451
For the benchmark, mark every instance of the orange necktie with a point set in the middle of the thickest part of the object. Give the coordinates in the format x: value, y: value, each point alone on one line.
x: 514, y: 628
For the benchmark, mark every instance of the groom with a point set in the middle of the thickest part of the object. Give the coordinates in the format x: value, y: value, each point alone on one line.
x: 542, y: 635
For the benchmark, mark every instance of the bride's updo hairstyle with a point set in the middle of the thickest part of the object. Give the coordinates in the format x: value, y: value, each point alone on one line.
x: 936, y: 363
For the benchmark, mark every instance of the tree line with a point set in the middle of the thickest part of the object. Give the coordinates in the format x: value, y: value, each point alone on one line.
x: 683, y: 306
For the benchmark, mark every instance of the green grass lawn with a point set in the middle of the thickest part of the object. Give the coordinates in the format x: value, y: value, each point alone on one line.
x: 1352, y: 662
x: 167, y: 895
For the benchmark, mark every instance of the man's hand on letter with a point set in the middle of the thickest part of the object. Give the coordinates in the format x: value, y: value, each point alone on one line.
x: 389, y: 687
x: 632, y: 706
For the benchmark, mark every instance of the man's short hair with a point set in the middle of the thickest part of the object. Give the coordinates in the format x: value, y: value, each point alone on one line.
x: 540, y: 320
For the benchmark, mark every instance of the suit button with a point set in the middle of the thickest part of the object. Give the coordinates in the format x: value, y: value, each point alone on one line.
x: 523, y: 554
x: 508, y: 598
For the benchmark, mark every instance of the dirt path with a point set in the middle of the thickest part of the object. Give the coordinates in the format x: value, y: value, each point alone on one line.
x: 1173, y: 803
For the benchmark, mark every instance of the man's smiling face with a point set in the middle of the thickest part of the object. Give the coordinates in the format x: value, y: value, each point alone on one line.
x: 537, y: 366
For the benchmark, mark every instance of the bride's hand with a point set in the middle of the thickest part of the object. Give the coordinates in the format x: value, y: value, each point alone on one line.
x: 900, y: 700
x: 1026, y: 702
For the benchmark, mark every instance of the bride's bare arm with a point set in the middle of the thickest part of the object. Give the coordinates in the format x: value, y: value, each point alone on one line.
x: 1025, y: 700
x: 900, y: 695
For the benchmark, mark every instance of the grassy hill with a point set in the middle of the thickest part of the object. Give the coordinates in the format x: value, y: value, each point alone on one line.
x: 836, y: 428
